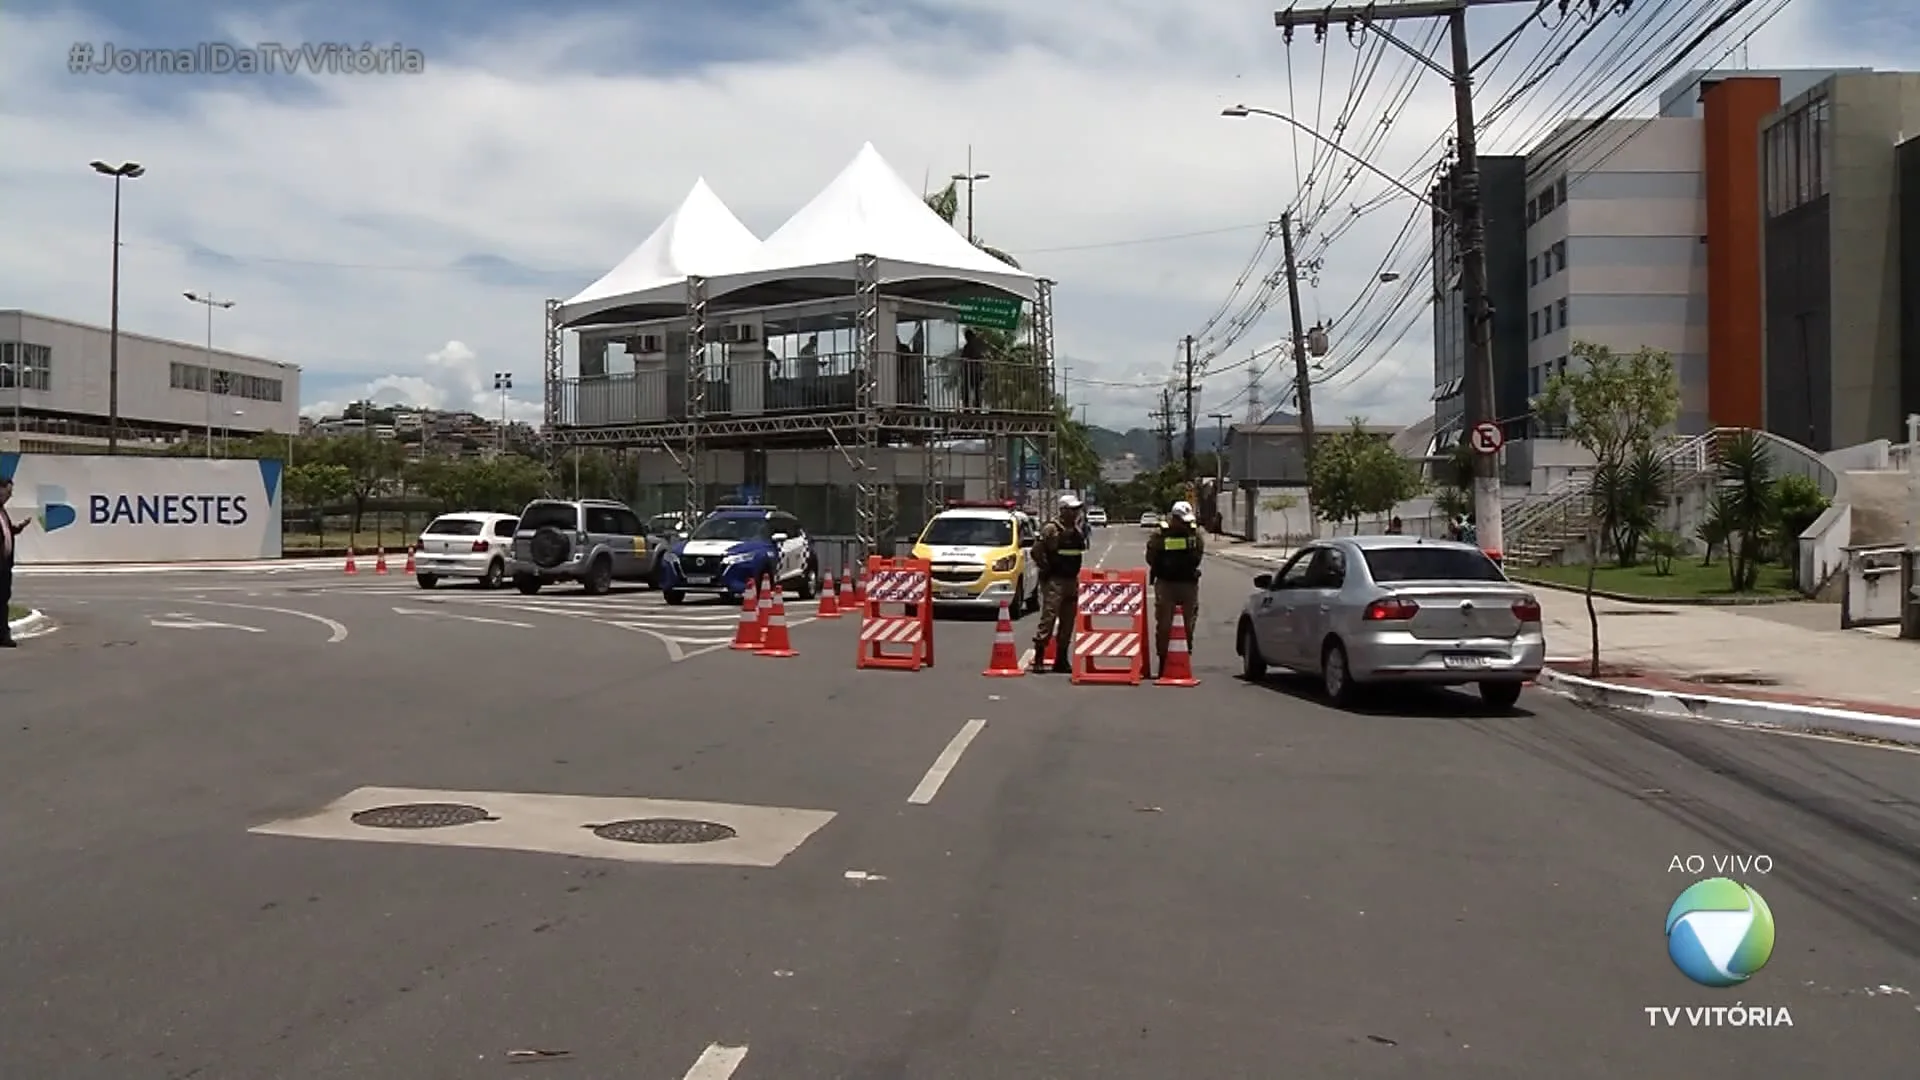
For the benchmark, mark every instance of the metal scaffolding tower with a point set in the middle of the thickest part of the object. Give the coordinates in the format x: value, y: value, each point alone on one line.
x: 866, y: 345
x: 554, y: 366
x: 696, y: 394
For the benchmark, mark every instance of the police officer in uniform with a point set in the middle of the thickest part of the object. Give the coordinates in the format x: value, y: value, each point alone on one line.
x: 9, y: 534
x: 1057, y: 554
x: 1173, y: 565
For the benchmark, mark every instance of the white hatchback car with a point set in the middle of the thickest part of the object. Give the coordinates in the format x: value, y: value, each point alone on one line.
x: 474, y: 544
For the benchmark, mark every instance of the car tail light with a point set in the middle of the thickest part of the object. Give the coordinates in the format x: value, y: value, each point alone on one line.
x: 480, y: 545
x: 1527, y: 611
x: 1392, y: 609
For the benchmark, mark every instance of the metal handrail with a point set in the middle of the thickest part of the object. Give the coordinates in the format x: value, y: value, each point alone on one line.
x: 1693, y: 454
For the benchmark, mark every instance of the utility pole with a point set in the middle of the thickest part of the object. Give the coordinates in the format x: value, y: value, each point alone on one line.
x: 1469, y: 226
x: 1186, y: 393
x: 1302, y: 376
x: 1163, y: 426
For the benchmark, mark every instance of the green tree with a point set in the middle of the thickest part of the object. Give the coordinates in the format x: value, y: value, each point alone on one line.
x: 1615, y: 406
x: 316, y: 484
x: 1798, y: 502
x: 370, y: 462
x: 1746, y: 484
x: 1382, y: 479
x: 1330, y: 481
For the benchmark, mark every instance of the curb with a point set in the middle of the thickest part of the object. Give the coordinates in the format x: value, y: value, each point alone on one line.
x: 1780, y: 716
x: 31, y: 625
x: 1671, y: 601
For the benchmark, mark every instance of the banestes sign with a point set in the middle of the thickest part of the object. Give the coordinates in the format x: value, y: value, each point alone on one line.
x: 82, y: 509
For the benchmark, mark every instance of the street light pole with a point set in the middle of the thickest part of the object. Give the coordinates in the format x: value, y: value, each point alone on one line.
x: 208, y: 300
x: 503, y: 385
x: 1220, y: 448
x: 970, y: 178
x: 126, y: 170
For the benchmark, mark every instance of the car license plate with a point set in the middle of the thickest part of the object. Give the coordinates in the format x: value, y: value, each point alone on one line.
x: 700, y: 579
x: 1468, y: 662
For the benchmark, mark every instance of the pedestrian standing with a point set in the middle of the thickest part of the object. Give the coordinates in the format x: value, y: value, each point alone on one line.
x: 9, y: 535
x: 1174, y: 552
x: 1057, y: 554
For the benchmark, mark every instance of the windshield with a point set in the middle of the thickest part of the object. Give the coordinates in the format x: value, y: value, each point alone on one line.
x: 453, y: 526
x: 550, y: 515
x: 1388, y: 565
x: 732, y: 528
x: 968, y: 532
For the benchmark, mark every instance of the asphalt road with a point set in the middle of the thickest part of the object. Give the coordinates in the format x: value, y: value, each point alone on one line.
x: 1226, y: 881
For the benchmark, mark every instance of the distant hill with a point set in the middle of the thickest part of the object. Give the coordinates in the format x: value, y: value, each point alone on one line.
x: 1143, y: 444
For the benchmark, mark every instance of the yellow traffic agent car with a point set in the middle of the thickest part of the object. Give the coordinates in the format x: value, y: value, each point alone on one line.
x: 980, y: 553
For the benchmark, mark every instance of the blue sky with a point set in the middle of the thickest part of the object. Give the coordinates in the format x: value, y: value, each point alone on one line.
x: 398, y: 234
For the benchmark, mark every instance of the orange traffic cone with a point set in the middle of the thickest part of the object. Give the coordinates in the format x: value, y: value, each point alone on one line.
x: 1005, y: 659
x: 409, y: 567
x: 859, y: 581
x: 747, y: 634
x: 829, y: 599
x: 776, y: 642
x: 352, y: 566
x: 1178, y: 669
x: 380, y: 562
x: 1052, y: 654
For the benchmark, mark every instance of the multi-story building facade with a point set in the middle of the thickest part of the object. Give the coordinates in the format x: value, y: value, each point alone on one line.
x: 1614, y: 253
x: 1833, y: 356
x: 1503, y: 186
x: 54, y: 375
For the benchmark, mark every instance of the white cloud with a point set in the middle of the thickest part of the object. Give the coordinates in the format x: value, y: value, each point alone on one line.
x: 450, y: 378
x: 345, y: 204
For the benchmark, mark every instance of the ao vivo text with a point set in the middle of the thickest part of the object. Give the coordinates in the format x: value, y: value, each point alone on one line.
x: 227, y: 510
x: 1721, y: 864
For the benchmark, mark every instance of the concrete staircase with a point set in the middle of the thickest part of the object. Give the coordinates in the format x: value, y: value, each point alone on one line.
x: 1539, y: 532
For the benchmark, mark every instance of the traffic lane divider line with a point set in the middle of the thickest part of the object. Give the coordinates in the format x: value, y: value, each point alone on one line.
x: 717, y: 1062
x: 943, y: 765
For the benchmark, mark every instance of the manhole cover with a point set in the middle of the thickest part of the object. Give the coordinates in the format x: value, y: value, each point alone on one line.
x: 664, y: 831
x: 432, y: 815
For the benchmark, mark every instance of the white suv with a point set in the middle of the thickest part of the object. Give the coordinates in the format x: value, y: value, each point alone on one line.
x: 1096, y: 517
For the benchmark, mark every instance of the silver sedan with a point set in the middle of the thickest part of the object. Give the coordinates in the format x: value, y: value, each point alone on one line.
x: 1394, y: 609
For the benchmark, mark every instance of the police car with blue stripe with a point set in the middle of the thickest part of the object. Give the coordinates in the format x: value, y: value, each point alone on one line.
x: 737, y: 545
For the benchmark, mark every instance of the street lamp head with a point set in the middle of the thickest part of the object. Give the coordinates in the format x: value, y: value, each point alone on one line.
x: 195, y: 297
x: 1236, y: 111
x: 1389, y: 277
x: 128, y: 169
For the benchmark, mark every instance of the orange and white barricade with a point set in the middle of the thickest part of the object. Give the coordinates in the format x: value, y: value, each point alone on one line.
x: 1110, y: 628
x: 896, y: 615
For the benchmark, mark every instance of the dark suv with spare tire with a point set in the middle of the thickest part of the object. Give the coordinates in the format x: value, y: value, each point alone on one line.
x: 595, y: 542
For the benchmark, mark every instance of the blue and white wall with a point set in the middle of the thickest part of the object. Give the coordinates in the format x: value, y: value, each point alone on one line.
x: 91, y: 509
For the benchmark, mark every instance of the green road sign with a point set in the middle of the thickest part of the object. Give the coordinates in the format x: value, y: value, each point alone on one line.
x: 988, y: 312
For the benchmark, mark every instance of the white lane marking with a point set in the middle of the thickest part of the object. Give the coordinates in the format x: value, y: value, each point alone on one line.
x: 181, y: 620
x: 717, y: 1063
x: 462, y: 618
x: 339, y: 631
x: 943, y: 765
x: 1101, y: 562
x: 1026, y: 658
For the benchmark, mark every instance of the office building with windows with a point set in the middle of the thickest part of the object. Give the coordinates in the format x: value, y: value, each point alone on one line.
x: 1503, y: 186
x: 1615, y: 219
x: 1835, y: 367
x: 54, y: 386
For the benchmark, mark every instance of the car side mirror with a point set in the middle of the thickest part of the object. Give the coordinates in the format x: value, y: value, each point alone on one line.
x: 1263, y: 581
x: 779, y: 538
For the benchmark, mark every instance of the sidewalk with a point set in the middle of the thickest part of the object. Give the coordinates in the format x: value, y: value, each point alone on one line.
x: 1713, y: 661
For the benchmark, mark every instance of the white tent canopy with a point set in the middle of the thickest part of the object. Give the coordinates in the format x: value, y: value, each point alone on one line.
x: 701, y: 238
x: 866, y: 210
